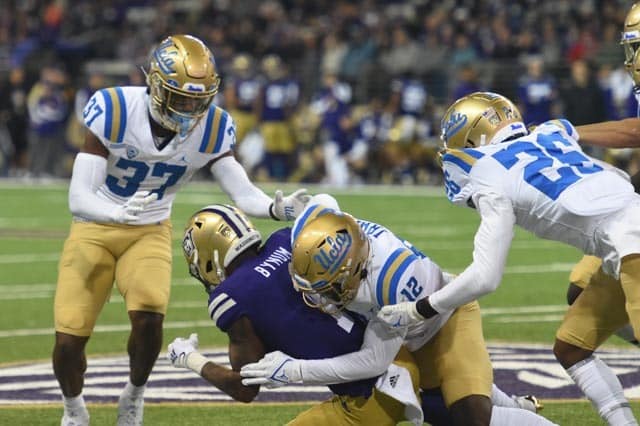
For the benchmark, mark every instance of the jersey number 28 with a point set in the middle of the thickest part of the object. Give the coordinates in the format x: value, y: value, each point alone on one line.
x: 541, y: 172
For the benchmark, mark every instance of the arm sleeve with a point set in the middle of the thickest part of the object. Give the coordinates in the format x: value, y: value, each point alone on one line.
x: 379, y: 348
x: 89, y: 172
x: 491, y: 247
x: 234, y: 181
x: 612, y: 134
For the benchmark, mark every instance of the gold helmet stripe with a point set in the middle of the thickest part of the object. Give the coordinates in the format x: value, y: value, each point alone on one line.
x: 115, y: 115
x: 392, y: 270
x: 307, y: 216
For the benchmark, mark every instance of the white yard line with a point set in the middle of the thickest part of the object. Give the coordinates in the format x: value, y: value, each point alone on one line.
x: 102, y: 328
x: 504, y: 314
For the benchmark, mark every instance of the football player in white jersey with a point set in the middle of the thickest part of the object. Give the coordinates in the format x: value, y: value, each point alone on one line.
x: 612, y: 134
x: 142, y: 144
x: 543, y: 182
x: 339, y: 263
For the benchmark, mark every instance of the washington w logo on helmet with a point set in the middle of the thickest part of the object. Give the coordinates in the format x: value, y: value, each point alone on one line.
x: 338, y: 248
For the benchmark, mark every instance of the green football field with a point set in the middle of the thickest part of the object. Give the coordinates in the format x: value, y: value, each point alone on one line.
x: 34, y: 220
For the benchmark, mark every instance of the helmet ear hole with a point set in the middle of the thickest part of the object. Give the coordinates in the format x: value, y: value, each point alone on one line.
x: 209, y: 266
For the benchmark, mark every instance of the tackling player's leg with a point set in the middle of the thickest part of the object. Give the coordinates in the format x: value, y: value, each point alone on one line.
x: 143, y: 277
x: 593, y: 317
x: 466, y: 382
x: 84, y: 282
x: 579, y: 278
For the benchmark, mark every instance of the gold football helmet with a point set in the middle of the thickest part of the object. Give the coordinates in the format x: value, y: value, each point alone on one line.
x: 272, y: 66
x: 241, y: 64
x: 630, y: 38
x: 183, y: 81
x: 328, y: 261
x: 478, y: 119
x: 213, y: 238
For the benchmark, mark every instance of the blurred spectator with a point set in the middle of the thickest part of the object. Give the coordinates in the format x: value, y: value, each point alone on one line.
x: 332, y: 105
x: 405, y: 150
x: 48, y: 105
x: 584, y: 100
x: 13, y: 114
x: 334, y: 51
x: 467, y: 82
x: 400, y: 57
x: 367, y: 44
x: 242, y: 88
x: 358, y: 60
x: 276, y: 102
x: 75, y: 132
x: 463, y: 51
x: 582, y: 97
x: 536, y: 93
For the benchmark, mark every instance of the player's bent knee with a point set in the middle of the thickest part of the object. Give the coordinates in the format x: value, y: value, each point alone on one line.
x: 568, y: 354
x: 146, y: 322
x: 68, y: 346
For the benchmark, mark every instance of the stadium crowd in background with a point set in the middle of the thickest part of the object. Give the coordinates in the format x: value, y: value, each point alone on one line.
x: 336, y: 91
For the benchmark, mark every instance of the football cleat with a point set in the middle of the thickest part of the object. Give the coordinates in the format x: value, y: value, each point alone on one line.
x: 529, y: 403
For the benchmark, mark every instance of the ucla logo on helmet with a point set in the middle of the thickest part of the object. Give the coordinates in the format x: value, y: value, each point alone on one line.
x: 454, y: 124
x: 164, y: 57
x: 331, y: 256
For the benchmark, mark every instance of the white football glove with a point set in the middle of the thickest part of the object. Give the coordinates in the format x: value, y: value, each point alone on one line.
x: 182, y: 353
x: 289, y: 207
x: 400, y: 315
x: 275, y: 369
x: 128, y: 212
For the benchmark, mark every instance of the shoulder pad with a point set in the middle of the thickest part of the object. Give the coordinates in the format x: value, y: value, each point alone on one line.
x: 106, y: 114
x: 219, y: 133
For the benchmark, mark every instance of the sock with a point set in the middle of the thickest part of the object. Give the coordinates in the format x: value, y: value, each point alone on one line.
x: 598, y: 382
x: 505, y: 416
x: 626, y: 333
x: 132, y: 391
x: 75, y: 409
x: 501, y: 399
x: 131, y: 405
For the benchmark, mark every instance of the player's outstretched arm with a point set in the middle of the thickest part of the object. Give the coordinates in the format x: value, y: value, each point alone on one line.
x: 378, y: 350
x: 490, y: 249
x: 244, y: 347
x: 252, y: 200
x: 611, y: 134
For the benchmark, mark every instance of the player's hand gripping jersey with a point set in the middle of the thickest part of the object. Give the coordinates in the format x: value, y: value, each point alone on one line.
x: 119, y: 117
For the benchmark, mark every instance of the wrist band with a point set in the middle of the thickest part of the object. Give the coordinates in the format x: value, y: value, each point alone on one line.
x: 273, y: 216
x: 196, y: 362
